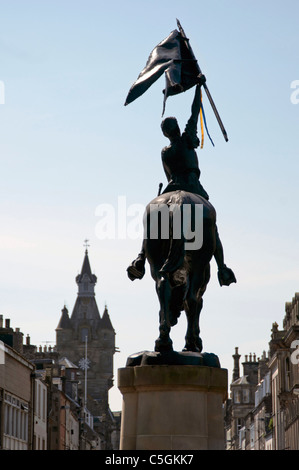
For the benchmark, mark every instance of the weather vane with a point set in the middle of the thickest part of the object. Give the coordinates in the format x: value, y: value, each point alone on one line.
x: 86, y: 244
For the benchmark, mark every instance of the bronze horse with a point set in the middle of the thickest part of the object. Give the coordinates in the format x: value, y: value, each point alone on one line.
x: 181, y: 274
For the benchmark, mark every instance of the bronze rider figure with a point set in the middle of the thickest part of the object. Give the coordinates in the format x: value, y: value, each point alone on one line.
x: 180, y: 164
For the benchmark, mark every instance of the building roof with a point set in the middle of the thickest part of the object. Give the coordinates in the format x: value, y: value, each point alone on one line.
x: 85, y: 309
x: 64, y: 361
x: 86, y: 270
x: 106, y: 322
x: 64, y: 321
x: 241, y: 381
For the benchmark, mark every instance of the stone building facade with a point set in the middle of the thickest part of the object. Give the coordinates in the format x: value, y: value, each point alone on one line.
x: 262, y: 412
x: 284, y: 368
x: 241, y: 401
x: 17, y: 383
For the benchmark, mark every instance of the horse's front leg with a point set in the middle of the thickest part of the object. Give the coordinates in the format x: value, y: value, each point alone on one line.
x: 164, y: 343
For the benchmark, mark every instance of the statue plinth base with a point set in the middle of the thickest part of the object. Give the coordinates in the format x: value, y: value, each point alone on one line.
x: 172, y: 406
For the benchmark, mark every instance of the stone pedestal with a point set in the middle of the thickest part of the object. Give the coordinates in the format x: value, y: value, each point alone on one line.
x: 172, y: 407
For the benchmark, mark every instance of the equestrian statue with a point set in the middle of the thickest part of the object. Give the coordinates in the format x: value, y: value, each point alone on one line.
x: 181, y: 270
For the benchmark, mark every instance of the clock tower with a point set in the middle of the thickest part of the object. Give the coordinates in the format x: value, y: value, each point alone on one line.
x: 87, y: 339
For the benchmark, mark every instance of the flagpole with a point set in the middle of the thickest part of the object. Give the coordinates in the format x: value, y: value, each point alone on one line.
x: 204, y: 85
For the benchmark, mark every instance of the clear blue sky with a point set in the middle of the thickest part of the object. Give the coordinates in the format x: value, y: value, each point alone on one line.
x: 68, y: 144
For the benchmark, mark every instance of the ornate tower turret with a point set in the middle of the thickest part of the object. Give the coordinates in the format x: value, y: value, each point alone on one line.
x: 86, y: 280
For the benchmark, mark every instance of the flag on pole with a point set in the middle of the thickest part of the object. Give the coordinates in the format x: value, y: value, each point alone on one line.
x: 172, y: 57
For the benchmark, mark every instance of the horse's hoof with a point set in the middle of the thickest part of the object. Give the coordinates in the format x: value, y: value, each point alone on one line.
x: 163, y: 346
x: 226, y: 276
x: 134, y: 273
x: 194, y: 347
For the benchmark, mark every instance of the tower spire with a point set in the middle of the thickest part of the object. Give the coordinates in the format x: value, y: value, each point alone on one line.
x: 86, y: 280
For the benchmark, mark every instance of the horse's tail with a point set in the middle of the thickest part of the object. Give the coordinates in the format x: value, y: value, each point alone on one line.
x: 176, y: 252
x: 175, y: 256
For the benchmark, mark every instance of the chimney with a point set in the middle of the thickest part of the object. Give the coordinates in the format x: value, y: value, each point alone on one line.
x: 7, y: 323
x: 18, y: 340
x: 1, y: 321
x: 27, y: 340
x: 236, y: 371
x: 262, y: 367
x: 250, y: 369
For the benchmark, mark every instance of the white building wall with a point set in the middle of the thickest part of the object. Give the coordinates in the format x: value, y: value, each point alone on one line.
x: 40, y: 416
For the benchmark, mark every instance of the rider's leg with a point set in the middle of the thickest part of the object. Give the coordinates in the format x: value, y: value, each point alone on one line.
x: 225, y: 274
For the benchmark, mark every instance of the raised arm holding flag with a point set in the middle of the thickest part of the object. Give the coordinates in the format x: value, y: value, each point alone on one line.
x: 174, y: 57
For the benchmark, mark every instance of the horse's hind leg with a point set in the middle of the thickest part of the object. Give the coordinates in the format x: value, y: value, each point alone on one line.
x: 193, y: 341
x: 193, y: 307
x: 164, y: 343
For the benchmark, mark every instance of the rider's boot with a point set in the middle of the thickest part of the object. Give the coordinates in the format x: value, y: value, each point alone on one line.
x: 136, y: 270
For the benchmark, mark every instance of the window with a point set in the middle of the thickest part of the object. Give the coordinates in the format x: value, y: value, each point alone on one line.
x: 288, y: 374
x: 7, y: 418
x: 245, y: 396
x: 15, y: 418
x: 13, y: 421
x: 237, y: 396
x: 44, y: 404
x: 39, y: 400
x: 252, y: 436
x: 84, y: 334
